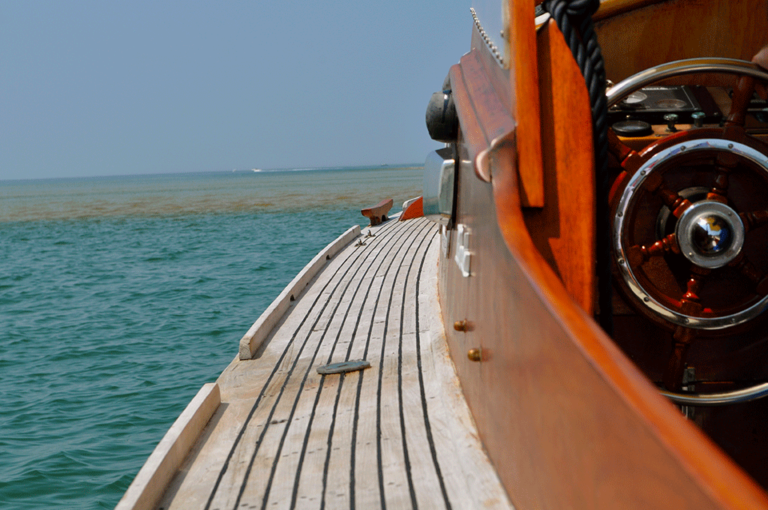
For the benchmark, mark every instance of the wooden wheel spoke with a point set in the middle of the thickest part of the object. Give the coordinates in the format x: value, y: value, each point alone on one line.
x: 617, y: 148
x: 753, y: 220
x: 627, y: 157
x: 726, y: 161
x: 637, y: 255
x: 744, y: 266
x: 742, y: 95
x: 691, y: 303
x: 677, y: 204
x: 673, y: 375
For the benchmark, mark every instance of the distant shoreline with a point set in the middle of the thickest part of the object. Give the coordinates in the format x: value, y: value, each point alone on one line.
x: 180, y: 194
x: 411, y: 166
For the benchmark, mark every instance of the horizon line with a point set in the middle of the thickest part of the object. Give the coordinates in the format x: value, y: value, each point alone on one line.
x: 234, y: 170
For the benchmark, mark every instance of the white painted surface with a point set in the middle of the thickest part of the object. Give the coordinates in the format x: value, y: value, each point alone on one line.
x: 409, y: 202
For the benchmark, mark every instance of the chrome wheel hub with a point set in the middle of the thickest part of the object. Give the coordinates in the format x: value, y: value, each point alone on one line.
x: 710, y: 234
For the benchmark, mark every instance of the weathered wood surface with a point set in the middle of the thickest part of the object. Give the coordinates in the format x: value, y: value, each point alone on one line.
x: 396, y: 435
x: 378, y: 213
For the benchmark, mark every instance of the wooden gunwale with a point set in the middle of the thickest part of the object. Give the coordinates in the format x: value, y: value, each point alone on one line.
x: 256, y: 334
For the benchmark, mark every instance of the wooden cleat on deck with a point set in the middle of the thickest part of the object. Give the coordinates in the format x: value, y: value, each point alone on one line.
x: 378, y: 213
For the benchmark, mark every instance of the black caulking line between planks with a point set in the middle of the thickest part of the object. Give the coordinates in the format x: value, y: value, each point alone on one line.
x: 341, y: 386
x: 304, y: 379
x: 378, y: 397
x: 287, y: 378
x: 356, y: 418
x: 261, y: 394
x: 400, y: 373
x: 329, y: 441
x: 427, y: 424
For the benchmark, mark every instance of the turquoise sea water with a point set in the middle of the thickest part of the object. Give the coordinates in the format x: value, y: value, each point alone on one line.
x: 121, y: 296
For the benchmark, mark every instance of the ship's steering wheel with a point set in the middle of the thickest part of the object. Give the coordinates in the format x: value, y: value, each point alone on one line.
x: 685, y: 211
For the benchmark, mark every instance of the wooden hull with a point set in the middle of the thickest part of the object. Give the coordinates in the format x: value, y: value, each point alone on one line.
x: 567, y: 419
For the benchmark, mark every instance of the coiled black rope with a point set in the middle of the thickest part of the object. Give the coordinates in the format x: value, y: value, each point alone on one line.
x: 574, y: 19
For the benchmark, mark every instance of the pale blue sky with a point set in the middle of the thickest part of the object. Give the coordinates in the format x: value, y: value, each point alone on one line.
x: 115, y: 87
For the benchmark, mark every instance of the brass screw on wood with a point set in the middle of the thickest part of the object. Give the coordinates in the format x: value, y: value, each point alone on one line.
x: 475, y: 355
x: 460, y: 325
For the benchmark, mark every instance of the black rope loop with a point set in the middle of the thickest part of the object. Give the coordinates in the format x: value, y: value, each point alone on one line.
x: 574, y: 19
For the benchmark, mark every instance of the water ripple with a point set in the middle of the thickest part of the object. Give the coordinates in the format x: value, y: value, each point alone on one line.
x: 120, y: 298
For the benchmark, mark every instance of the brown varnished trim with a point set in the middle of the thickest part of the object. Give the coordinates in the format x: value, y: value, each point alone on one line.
x: 524, y: 77
x: 498, y: 125
x: 610, y: 8
x: 713, y: 471
x: 526, y: 418
x: 678, y: 29
x: 558, y: 405
x: 494, y: 90
x: 497, y: 76
x: 563, y: 230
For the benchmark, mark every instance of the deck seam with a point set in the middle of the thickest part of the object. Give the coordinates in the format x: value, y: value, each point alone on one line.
x: 275, y: 370
x: 225, y: 467
x: 291, y: 438
x: 382, y: 496
x: 294, y: 495
x: 422, y: 390
x: 246, y: 476
x: 411, y: 488
x: 303, y: 381
x: 403, y: 231
x: 356, y: 418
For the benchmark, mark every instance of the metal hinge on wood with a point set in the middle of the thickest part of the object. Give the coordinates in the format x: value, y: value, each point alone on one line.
x: 463, y: 255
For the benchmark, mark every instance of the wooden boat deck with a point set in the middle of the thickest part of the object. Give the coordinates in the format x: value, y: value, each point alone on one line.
x: 396, y: 435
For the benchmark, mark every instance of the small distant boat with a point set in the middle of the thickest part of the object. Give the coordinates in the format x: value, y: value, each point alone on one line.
x: 256, y: 169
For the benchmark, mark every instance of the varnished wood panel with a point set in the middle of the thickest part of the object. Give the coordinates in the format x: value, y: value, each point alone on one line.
x: 567, y: 419
x: 524, y: 76
x: 678, y: 29
x: 563, y: 230
x: 611, y: 8
x: 499, y: 128
x: 503, y: 86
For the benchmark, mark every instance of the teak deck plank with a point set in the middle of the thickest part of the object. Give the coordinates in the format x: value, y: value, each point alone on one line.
x: 398, y: 434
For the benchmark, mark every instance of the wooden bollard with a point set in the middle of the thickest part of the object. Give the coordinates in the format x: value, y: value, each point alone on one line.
x: 378, y: 213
